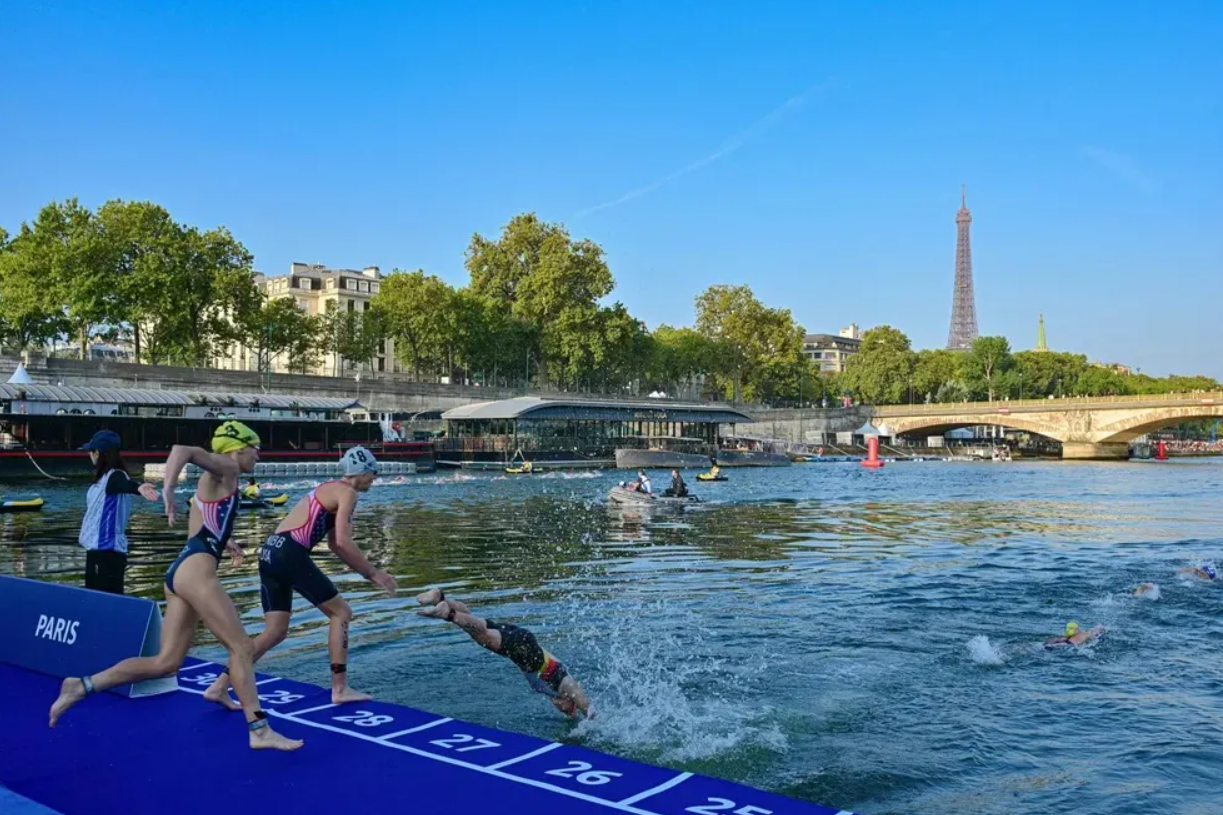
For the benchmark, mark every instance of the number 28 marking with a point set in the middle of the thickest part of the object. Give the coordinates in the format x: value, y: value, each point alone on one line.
x: 724, y: 805
x: 363, y: 718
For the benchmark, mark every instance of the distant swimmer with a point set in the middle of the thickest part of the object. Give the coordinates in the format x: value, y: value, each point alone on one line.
x: 1073, y: 636
x: 1150, y: 590
x: 1204, y: 572
x: 193, y: 591
x: 285, y: 566
x: 544, y: 672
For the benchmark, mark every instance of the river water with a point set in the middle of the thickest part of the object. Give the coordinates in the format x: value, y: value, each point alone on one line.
x: 869, y: 640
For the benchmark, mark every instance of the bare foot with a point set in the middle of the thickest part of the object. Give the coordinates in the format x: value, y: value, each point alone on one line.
x: 265, y: 738
x: 347, y: 694
x: 441, y: 611
x: 70, y: 692
x: 430, y: 597
x: 218, y: 693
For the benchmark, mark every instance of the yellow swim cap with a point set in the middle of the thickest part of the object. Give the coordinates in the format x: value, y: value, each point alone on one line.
x: 233, y: 436
x: 1072, y: 628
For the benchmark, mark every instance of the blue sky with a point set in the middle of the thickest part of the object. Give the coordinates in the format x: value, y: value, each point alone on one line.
x: 812, y: 150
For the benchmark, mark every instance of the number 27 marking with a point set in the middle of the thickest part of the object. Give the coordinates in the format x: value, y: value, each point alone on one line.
x: 463, y: 738
x: 725, y: 804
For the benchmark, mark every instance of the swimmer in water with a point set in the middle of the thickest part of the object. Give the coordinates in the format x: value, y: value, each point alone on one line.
x: 193, y: 591
x: 1073, y: 636
x: 1203, y: 572
x: 543, y: 672
x: 285, y: 566
x: 1147, y: 589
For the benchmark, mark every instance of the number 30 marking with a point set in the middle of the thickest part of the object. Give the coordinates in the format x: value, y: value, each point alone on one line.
x: 724, y: 804
x: 584, y: 773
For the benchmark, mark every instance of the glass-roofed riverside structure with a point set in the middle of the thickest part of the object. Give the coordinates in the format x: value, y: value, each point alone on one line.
x: 42, y: 426
x: 583, y: 433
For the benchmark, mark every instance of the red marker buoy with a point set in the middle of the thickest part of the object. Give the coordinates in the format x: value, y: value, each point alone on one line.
x: 1161, y: 453
x: 872, y: 453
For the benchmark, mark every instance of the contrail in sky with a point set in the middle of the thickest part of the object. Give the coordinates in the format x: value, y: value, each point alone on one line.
x: 729, y: 146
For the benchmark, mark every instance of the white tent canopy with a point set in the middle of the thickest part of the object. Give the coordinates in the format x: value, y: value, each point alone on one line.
x: 868, y: 429
x: 20, y: 376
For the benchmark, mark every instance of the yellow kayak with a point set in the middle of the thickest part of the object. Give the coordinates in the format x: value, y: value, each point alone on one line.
x: 710, y: 477
x: 271, y: 501
x: 26, y: 505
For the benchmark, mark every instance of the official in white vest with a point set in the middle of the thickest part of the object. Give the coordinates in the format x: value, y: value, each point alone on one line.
x: 108, y: 505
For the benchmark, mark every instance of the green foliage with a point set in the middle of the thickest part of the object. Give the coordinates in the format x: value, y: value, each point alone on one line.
x: 986, y: 364
x: 757, y: 351
x: 548, y: 282
x: 934, y: 368
x: 416, y: 310
x: 881, y: 371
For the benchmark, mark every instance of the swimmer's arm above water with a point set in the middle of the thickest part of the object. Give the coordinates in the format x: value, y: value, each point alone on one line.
x: 339, y: 540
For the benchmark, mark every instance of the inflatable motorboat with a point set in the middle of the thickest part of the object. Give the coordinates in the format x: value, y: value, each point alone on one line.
x: 622, y: 495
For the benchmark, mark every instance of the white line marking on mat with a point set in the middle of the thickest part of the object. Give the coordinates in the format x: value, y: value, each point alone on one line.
x: 416, y: 729
x: 546, y: 748
x: 663, y: 787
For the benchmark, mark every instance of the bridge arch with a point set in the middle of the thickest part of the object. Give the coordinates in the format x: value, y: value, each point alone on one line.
x: 937, y: 425
x: 1128, y: 428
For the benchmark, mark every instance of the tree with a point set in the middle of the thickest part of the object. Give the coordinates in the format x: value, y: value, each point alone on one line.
x: 757, y: 350
x: 1098, y: 381
x: 987, y: 360
x: 415, y: 308
x: 31, y: 311
x: 932, y: 369
x: 879, y: 374
x: 681, y: 358
x: 543, y: 278
x: 138, y: 239
x: 1047, y: 373
x: 353, y: 336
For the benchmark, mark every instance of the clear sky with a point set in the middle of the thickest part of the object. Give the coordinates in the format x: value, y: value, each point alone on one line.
x: 812, y: 150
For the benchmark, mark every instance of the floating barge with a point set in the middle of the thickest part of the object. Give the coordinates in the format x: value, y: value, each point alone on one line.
x: 42, y: 427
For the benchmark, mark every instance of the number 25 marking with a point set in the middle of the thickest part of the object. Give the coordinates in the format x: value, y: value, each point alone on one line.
x: 584, y: 773
x: 724, y: 804
x: 463, y: 738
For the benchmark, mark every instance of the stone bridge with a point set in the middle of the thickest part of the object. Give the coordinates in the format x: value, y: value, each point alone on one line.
x: 1087, y: 427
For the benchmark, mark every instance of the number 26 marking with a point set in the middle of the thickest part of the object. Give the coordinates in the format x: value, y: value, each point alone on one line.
x: 463, y: 738
x: 725, y: 804
x: 584, y: 773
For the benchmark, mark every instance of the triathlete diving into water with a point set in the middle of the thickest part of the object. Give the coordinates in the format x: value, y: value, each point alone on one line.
x: 544, y: 672
x: 193, y: 591
x: 285, y: 566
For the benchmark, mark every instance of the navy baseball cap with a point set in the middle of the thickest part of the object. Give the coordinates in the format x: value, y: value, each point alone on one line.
x: 103, y: 440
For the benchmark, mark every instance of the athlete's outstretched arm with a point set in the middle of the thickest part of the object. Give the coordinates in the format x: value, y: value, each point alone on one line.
x: 340, y: 541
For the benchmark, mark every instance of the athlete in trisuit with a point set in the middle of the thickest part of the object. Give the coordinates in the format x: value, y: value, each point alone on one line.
x: 285, y: 566
x: 193, y: 592
x: 544, y: 672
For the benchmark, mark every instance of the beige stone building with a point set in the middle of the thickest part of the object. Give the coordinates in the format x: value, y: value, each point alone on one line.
x: 831, y: 352
x: 315, y: 288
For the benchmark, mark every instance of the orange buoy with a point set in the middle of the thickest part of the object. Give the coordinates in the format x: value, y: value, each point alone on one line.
x: 1161, y: 451
x: 872, y: 453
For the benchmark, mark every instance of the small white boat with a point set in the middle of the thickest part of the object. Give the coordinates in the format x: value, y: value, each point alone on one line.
x: 622, y: 495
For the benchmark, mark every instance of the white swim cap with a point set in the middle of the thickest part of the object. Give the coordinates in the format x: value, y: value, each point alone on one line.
x: 358, y: 460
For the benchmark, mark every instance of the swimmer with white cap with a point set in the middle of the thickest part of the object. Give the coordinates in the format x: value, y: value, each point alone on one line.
x: 1203, y: 572
x: 1073, y: 635
x: 285, y: 566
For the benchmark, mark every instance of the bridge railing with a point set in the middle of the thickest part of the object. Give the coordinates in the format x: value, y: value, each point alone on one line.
x: 1061, y: 402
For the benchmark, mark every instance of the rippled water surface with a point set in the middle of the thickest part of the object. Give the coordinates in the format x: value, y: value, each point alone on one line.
x: 869, y: 640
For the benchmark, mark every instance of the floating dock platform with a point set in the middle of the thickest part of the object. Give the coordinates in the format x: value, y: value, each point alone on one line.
x: 174, y: 752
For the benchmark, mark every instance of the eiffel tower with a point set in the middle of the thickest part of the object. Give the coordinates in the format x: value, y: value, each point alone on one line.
x: 963, y: 303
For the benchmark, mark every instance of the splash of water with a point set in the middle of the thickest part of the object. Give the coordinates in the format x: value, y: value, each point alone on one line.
x: 984, y: 652
x: 656, y: 695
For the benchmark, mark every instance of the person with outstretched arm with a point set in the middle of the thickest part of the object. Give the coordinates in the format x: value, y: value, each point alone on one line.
x: 193, y: 591
x: 108, y: 506
x: 285, y: 566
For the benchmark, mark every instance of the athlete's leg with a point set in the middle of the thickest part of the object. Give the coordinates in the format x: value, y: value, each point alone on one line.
x: 176, y: 631
x: 339, y: 615
x: 198, y: 585
x: 476, y: 627
x: 275, y: 629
